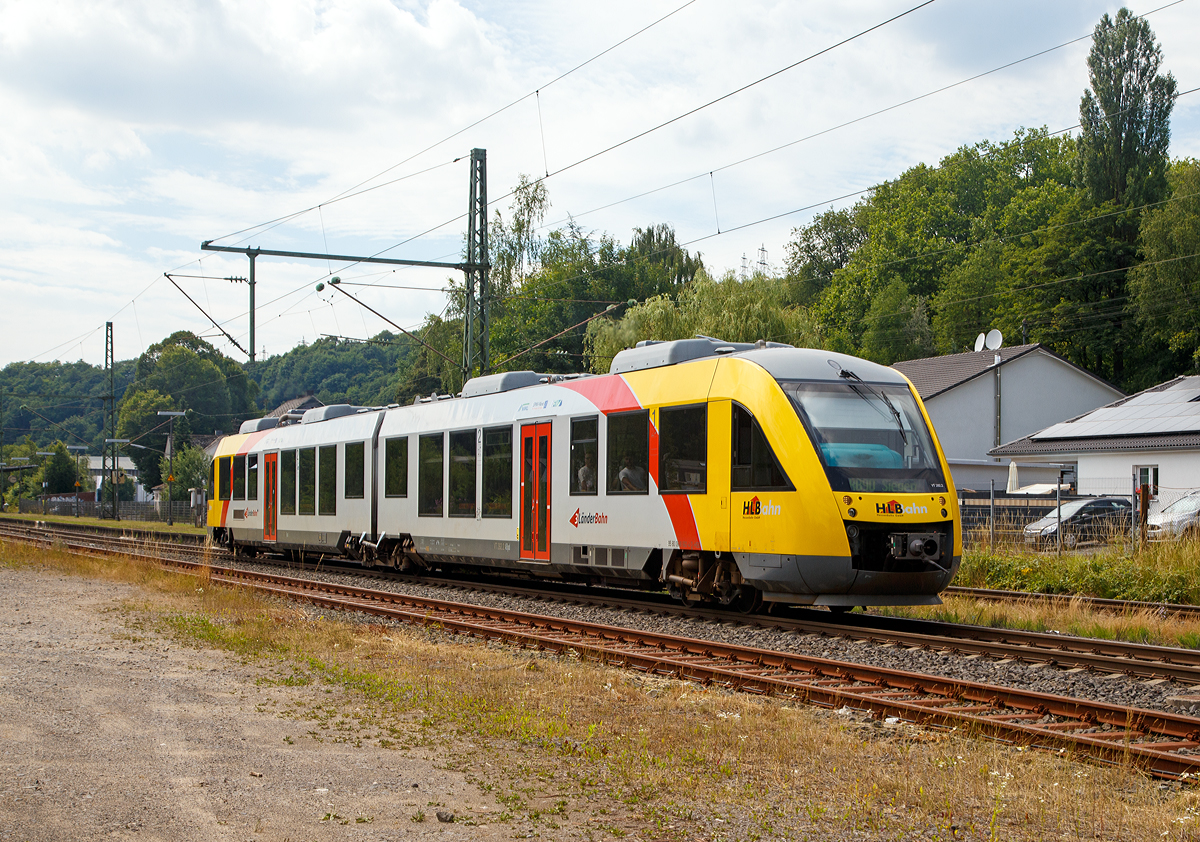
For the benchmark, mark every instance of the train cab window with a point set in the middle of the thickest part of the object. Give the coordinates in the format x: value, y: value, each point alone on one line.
x: 683, y: 449
x: 395, y: 467
x: 239, y: 478
x: 327, y: 481
x: 212, y: 479
x: 287, y: 482
x: 356, y: 472
x: 430, y: 474
x: 755, y: 467
x: 497, y: 472
x: 462, y: 473
x: 307, y: 480
x: 629, y: 452
x: 224, y: 479
x: 252, y: 476
x: 584, y: 464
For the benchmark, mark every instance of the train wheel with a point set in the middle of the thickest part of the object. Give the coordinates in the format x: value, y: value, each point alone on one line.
x: 749, y: 599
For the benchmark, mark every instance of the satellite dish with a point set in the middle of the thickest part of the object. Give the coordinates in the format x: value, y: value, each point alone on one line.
x: 979, y: 340
x: 994, y: 340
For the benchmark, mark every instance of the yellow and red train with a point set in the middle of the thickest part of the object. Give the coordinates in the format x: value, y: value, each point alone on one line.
x: 724, y: 472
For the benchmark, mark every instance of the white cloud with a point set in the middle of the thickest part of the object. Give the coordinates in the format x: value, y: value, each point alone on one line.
x: 134, y: 130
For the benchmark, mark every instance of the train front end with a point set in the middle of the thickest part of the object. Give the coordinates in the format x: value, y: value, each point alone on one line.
x: 882, y: 522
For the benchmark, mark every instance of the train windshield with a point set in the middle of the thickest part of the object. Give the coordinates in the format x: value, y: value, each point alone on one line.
x: 871, y: 437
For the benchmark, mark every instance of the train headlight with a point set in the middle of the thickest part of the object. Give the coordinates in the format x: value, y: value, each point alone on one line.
x: 941, y: 501
x: 851, y: 512
x: 847, y: 499
x: 944, y: 514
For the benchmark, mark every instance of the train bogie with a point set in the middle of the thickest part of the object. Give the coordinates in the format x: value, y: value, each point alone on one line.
x: 725, y: 473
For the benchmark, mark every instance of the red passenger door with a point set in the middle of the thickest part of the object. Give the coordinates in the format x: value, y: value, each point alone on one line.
x: 271, y: 495
x: 535, y: 492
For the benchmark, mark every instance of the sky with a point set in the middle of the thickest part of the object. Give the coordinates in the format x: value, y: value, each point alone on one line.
x: 134, y: 130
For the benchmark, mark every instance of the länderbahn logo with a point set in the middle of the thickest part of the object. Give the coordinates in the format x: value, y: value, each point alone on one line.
x: 895, y: 507
x: 586, y: 518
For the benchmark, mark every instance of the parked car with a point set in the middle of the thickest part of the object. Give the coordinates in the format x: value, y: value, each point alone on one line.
x: 1095, y: 519
x: 1180, y: 519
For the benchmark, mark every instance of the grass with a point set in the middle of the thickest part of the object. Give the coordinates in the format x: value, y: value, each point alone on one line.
x: 1159, y: 572
x: 557, y: 740
x: 141, y: 525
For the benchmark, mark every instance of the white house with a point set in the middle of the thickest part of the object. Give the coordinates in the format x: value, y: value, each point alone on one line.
x: 982, y: 399
x: 1152, y: 438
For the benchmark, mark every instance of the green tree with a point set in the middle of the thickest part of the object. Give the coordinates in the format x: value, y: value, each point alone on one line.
x: 1166, y: 287
x: 191, y: 471
x: 820, y: 249
x: 1125, y: 115
x: 140, y: 423
x: 730, y: 309
x: 60, y: 472
x: 198, y: 377
x: 897, y: 326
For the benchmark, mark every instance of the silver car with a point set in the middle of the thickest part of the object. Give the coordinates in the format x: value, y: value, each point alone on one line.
x: 1180, y: 519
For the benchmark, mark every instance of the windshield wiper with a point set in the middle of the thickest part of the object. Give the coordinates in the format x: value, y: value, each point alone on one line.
x: 846, y: 374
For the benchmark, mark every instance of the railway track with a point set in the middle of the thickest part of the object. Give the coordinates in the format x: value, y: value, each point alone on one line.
x: 1105, y: 657
x: 1166, y: 745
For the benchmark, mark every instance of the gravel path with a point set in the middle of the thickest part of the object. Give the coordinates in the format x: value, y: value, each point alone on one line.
x: 118, y: 733
x: 1114, y: 689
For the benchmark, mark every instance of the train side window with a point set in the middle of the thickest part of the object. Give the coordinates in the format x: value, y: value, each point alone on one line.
x: 430, y: 474
x: 287, y: 482
x: 252, y: 476
x: 356, y: 472
x: 224, y: 484
x: 462, y: 473
x: 755, y: 467
x: 327, y: 479
x: 584, y: 465
x: 683, y: 449
x: 239, y: 477
x: 307, y: 480
x: 497, y: 472
x: 212, y: 479
x: 629, y: 452
x: 395, y: 469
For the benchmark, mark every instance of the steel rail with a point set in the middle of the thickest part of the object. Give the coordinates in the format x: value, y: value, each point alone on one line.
x: 1164, y: 744
x: 1123, y: 606
x: 1061, y: 651
x: 1157, y: 742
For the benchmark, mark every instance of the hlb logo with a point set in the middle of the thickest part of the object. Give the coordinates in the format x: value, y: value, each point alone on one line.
x: 895, y: 507
x: 588, y: 517
x: 756, y: 508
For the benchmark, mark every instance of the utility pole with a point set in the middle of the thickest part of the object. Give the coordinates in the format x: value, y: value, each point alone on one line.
x: 476, y: 318
x: 109, y: 363
x: 476, y: 322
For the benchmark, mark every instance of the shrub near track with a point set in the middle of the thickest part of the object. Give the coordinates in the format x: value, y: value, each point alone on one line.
x: 1162, y: 572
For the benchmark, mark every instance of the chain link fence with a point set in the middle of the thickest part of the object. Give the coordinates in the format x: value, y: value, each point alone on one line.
x: 1000, y: 517
x: 179, y: 511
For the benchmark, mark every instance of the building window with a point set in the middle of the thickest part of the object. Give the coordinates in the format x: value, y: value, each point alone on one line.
x: 252, y: 476
x: 307, y: 480
x: 755, y: 467
x: 287, y: 482
x: 497, y: 472
x: 683, y: 449
x: 629, y: 452
x: 328, y: 480
x: 395, y: 467
x: 1148, y: 475
x: 430, y: 475
x: 356, y: 472
x: 584, y: 453
x: 239, y: 477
